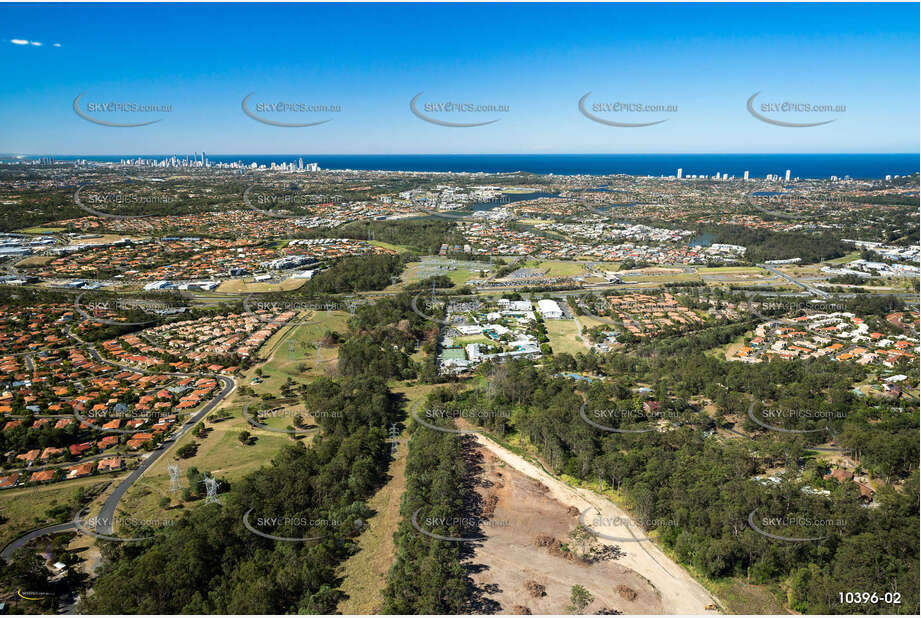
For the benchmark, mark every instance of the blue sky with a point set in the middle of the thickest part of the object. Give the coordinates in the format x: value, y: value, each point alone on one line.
x: 537, y: 59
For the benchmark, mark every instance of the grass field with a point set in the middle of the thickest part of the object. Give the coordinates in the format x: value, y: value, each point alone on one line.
x: 739, y: 597
x: 221, y: 451
x: 564, y: 337
x: 387, y: 245
x: 659, y: 279
x: 850, y: 257
x: 608, y: 266
x: 803, y: 271
x: 365, y: 574
x: 295, y: 346
x: 415, y: 270
x: 472, y: 339
x: 562, y: 269
x: 727, y: 351
x: 239, y: 286
x: 26, y: 509
x: 722, y: 270
x: 35, y: 260
x: 41, y: 230
x: 99, y: 238
x: 591, y: 321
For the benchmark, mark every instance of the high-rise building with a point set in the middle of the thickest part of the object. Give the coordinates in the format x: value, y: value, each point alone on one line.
x: 300, y: 163
x: 745, y: 175
x: 679, y: 172
x: 786, y: 176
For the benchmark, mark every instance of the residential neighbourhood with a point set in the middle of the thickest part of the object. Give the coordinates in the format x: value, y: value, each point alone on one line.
x: 841, y: 337
x: 126, y: 260
x: 70, y: 410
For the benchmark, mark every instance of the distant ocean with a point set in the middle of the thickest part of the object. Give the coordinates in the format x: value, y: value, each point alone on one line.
x: 800, y: 165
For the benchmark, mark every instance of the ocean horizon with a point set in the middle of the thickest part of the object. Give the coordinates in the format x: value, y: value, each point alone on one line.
x: 855, y: 165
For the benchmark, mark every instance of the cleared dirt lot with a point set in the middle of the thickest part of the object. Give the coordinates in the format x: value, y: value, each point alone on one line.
x: 676, y: 592
x: 509, y: 558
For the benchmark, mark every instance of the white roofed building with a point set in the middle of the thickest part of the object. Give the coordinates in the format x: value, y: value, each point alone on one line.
x: 549, y: 309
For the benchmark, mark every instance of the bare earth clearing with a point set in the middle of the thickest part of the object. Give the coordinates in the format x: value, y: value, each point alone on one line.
x: 525, y: 510
x: 513, y: 558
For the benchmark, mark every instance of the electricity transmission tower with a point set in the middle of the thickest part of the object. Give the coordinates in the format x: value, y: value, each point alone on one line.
x: 211, y: 489
x: 175, y: 481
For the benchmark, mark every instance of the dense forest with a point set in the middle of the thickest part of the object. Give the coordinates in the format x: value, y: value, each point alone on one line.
x: 707, y: 484
x: 354, y: 274
x: 766, y: 245
x: 424, y: 235
x: 427, y: 576
x: 210, y: 549
x: 384, y: 334
x: 208, y: 562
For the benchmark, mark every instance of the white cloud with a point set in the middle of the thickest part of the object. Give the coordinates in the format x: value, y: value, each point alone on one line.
x: 28, y: 42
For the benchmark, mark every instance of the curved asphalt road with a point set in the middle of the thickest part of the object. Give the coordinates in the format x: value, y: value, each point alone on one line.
x: 8, y: 551
x: 107, y: 513
x: 106, y: 517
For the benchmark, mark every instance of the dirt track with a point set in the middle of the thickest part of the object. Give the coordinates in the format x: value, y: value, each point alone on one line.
x: 509, y: 559
x: 677, y: 592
